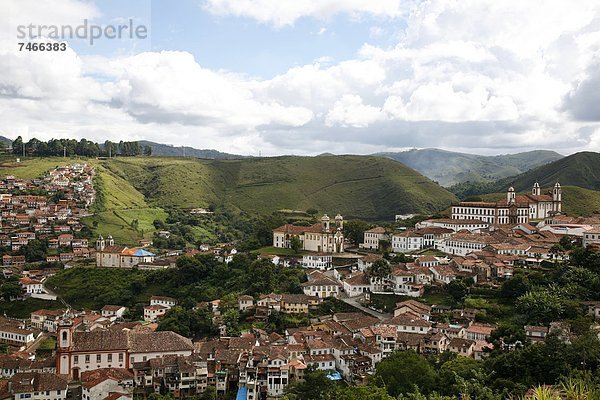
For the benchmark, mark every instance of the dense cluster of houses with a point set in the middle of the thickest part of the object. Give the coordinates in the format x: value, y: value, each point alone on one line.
x: 113, y: 358
x: 54, y: 215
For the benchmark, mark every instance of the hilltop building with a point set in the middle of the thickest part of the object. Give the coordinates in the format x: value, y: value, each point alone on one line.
x: 515, y: 209
x: 113, y: 256
x: 321, y: 238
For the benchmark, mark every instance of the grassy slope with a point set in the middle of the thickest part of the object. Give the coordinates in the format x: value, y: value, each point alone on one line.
x: 117, y: 207
x: 580, y: 169
x: 576, y: 200
x: 368, y: 187
x: 356, y: 186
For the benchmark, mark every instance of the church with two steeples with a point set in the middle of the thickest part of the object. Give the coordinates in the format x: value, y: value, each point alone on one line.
x: 514, y: 209
x: 323, y: 237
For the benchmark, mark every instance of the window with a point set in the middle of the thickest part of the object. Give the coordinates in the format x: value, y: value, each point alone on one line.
x: 98, y: 358
x: 109, y: 358
x: 120, y: 357
x: 87, y: 358
x: 75, y: 359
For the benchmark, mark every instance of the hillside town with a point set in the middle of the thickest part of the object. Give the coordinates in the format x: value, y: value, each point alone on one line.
x: 108, y: 354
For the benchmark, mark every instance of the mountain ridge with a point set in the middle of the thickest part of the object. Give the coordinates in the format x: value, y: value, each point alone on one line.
x: 449, y: 168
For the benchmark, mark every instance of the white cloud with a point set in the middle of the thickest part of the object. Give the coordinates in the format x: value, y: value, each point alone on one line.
x: 285, y: 12
x: 350, y: 111
x: 491, y: 76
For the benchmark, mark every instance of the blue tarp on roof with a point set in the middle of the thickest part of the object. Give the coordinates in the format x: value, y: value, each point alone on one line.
x: 242, y: 393
x: 143, y: 253
x: 334, y: 375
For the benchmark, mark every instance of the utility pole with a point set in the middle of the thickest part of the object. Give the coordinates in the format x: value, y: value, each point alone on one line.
x: 23, y: 149
x: 64, y: 151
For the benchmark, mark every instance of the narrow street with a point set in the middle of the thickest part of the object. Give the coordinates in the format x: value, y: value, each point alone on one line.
x: 354, y: 302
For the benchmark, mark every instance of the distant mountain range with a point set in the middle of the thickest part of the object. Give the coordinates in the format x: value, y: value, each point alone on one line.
x: 449, y: 168
x: 5, y: 140
x: 166, y: 150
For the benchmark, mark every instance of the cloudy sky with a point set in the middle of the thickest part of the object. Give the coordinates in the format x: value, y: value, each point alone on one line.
x: 312, y: 76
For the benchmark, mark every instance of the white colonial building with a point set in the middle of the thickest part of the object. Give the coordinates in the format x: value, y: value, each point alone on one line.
x: 515, y: 209
x: 412, y: 240
x: 591, y: 236
x: 372, y: 237
x: 321, y: 238
x: 88, y: 351
x: 320, y: 261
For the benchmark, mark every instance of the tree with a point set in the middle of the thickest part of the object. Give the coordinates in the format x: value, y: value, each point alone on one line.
x: 295, y: 244
x: 379, y: 269
x: 316, y: 386
x: 404, y: 371
x: 10, y: 290
x: 542, y: 305
x: 312, y: 212
x: 354, y: 230
x: 358, y: 393
x: 147, y: 150
x: 210, y: 393
x: 507, y: 335
x: 385, y: 245
x: 557, y: 251
x: 17, y: 146
x: 34, y: 250
x: 458, y: 289
x: 514, y: 287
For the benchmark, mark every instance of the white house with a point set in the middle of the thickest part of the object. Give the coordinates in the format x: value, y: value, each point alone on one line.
x: 356, y: 284
x: 372, y: 237
x: 322, y: 261
x: 155, y: 311
x: 245, y: 302
x: 591, y: 236
x: 163, y: 301
x: 110, y: 311
x: 321, y: 286
x: 31, y: 286
x: 37, y: 386
x: 472, y: 225
x: 100, y: 383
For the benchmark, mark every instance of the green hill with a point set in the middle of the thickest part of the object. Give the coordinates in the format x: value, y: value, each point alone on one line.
x: 356, y: 186
x: 140, y: 188
x: 449, y: 168
x: 579, y: 169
